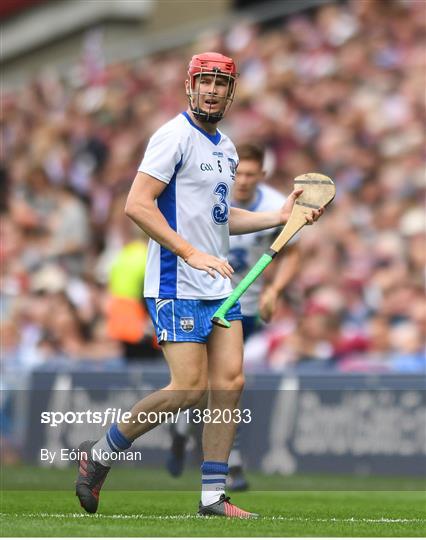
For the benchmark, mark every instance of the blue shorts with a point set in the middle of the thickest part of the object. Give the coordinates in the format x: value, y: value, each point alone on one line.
x: 250, y: 325
x: 186, y: 320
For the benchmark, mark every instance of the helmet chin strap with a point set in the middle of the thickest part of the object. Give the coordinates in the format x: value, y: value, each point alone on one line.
x: 204, y: 116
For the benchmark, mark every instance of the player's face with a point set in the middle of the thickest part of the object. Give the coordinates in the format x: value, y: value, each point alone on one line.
x: 211, y: 91
x: 249, y: 174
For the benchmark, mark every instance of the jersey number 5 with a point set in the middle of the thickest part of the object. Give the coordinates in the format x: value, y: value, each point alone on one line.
x: 220, y: 210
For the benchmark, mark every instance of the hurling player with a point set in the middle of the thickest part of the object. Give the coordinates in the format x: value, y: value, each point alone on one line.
x: 181, y: 198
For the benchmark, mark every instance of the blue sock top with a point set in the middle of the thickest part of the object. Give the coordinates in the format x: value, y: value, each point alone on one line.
x: 116, y: 439
x: 214, y: 467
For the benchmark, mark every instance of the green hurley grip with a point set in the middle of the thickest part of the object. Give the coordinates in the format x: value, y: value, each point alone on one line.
x: 219, y: 317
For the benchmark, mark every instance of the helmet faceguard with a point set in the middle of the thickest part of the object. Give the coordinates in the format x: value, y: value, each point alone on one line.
x: 216, y: 65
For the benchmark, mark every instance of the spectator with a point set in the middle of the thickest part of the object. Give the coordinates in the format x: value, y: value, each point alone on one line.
x: 338, y: 89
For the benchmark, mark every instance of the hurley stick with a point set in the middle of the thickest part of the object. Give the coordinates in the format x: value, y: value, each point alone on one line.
x: 318, y: 191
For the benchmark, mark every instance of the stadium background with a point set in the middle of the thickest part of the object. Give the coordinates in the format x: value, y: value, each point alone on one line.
x: 330, y: 86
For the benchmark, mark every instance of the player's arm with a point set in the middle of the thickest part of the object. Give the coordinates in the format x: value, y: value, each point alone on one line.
x: 244, y: 221
x: 141, y: 207
x: 288, y: 266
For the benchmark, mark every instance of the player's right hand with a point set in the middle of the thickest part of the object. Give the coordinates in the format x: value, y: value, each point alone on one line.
x: 268, y: 303
x: 210, y: 264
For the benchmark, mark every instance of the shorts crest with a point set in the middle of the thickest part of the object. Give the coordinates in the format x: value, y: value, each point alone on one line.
x: 187, y: 324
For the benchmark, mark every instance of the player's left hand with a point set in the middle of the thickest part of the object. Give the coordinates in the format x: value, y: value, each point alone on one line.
x: 267, y: 303
x: 314, y: 215
x: 285, y: 212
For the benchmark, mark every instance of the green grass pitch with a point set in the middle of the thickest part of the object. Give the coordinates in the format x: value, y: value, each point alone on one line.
x: 142, y: 503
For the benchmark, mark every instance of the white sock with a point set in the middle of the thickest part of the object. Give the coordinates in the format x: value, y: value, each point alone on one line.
x: 213, y: 479
x: 105, y: 450
x: 211, y: 493
x: 101, y: 452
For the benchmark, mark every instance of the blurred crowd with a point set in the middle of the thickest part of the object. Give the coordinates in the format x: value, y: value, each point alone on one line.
x: 338, y: 89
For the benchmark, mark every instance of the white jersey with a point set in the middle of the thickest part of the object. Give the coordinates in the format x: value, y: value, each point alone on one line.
x: 199, y: 170
x: 245, y: 249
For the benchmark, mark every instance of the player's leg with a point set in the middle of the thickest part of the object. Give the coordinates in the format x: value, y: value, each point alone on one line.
x: 188, y: 373
x: 188, y: 370
x: 236, y: 480
x: 181, y: 431
x: 226, y: 381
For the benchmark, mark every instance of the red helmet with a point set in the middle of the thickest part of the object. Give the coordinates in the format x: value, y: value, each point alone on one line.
x: 213, y: 64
